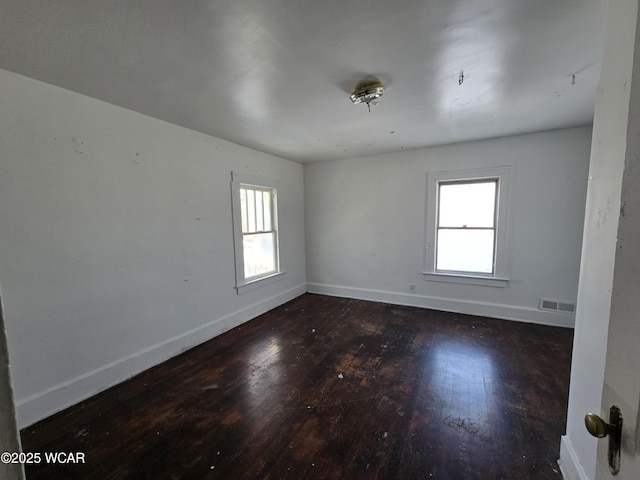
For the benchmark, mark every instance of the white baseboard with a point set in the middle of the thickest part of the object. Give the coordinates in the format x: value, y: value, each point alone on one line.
x: 569, y: 463
x: 495, y: 310
x: 54, y: 399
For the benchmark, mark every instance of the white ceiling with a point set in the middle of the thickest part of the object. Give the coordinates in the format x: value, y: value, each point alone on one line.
x: 275, y: 75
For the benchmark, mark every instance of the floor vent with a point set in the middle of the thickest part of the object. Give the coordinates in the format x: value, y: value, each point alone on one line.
x: 556, y: 306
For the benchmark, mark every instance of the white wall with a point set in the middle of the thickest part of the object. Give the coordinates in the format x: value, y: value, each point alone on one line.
x: 365, y: 221
x: 117, y: 248
x: 609, y: 145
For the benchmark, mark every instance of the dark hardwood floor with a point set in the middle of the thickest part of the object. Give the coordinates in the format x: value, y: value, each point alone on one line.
x: 331, y: 388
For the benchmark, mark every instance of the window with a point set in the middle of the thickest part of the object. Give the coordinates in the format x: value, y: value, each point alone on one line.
x: 255, y: 230
x: 466, y: 226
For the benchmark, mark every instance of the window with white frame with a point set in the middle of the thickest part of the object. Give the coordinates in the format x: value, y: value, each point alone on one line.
x: 466, y: 226
x: 255, y: 230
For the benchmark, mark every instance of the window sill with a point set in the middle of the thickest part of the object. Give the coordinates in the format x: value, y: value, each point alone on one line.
x: 259, y: 282
x: 466, y: 279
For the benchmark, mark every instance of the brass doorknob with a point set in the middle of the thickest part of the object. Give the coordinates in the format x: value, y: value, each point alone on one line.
x: 600, y: 429
x: 596, y: 425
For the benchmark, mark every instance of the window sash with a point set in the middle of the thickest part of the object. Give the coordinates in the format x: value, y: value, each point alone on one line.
x: 472, y: 222
x: 256, y: 206
x: 259, y: 262
x: 460, y: 267
x: 450, y: 256
x: 257, y: 232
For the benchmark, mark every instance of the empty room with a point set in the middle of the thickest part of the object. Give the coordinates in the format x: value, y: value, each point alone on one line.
x: 319, y: 240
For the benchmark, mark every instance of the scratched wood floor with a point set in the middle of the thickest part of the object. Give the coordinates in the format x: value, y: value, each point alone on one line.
x: 331, y: 388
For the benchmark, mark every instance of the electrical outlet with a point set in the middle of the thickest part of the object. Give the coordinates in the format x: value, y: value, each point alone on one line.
x: 412, y: 287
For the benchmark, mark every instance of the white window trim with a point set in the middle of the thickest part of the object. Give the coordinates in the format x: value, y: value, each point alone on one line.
x: 237, y: 180
x: 499, y: 278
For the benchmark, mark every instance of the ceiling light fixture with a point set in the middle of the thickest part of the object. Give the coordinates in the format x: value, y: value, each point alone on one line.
x: 367, y: 91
